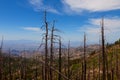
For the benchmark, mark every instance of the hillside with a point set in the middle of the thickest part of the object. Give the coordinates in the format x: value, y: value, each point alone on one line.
x: 16, y: 67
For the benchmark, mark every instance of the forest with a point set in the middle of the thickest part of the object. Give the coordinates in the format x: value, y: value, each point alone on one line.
x: 56, y: 62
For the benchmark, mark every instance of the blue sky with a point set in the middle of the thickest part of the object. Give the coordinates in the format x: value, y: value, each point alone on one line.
x: 22, y: 19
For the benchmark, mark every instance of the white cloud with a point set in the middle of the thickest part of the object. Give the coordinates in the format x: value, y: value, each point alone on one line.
x: 36, y: 29
x: 39, y: 6
x: 36, y: 3
x: 93, y: 29
x: 91, y: 5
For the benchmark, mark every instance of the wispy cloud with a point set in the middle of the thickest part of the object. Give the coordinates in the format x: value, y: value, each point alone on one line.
x: 36, y: 29
x: 39, y: 6
x: 93, y: 29
x: 36, y: 3
x: 91, y: 5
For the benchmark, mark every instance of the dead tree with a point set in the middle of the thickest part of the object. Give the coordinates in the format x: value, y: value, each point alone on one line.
x: 103, y: 51
x: 84, y: 58
x: 117, y: 65
x: 51, y: 51
x: 43, y: 77
x: 60, y: 60
x: 9, y: 63
x: 46, y: 47
x: 82, y: 71
x: 93, y: 70
x: 99, y: 57
x: 69, y: 59
x: 25, y: 66
x: 111, y: 64
x: 55, y: 70
x: 106, y: 62
x: 1, y: 59
x: 88, y: 75
x: 21, y: 68
x: 99, y: 66
x: 36, y: 72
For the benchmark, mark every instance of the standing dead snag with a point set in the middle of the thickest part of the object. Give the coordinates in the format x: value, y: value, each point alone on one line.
x: 46, y: 47
x: 106, y: 62
x: 36, y: 72
x: 84, y: 59
x: 1, y: 59
x: 82, y: 70
x: 60, y: 60
x: 43, y: 78
x: 9, y: 63
x: 117, y: 65
x: 62, y: 75
x: 88, y: 75
x: 21, y: 67
x: 99, y: 56
x: 93, y: 63
x: 69, y: 59
x: 103, y: 50
x: 111, y: 64
x: 25, y: 65
x: 51, y: 51
x: 99, y: 66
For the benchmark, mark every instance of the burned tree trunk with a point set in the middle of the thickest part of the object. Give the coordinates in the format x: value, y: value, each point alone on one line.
x: 46, y: 48
x: 1, y: 59
x: 103, y: 51
x: 36, y: 72
x: 117, y: 65
x: 88, y: 75
x: 99, y: 59
x: 25, y: 65
x: 84, y: 58
x: 60, y: 60
x: 93, y: 70
x: 106, y: 61
x: 9, y: 63
x: 112, y: 68
x: 43, y: 77
x: 21, y: 68
x: 51, y: 51
x: 99, y: 67
x: 69, y: 59
x: 82, y: 71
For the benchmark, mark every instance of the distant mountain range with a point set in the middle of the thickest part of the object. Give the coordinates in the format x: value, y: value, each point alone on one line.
x: 20, y: 44
x: 17, y: 47
x: 29, y: 44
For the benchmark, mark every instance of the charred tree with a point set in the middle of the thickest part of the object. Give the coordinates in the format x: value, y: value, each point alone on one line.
x: 1, y: 59
x: 21, y: 68
x: 46, y: 47
x: 36, y: 70
x: 43, y: 77
x: 84, y: 58
x: 69, y: 59
x: 103, y: 51
x: 106, y: 61
x: 25, y: 66
x: 99, y: 67
x: 51, y: 51
x: 93, y: 70
x: 99, y: 57
x: 82, y: 71
x: 60, y: 60
x: 117, y: 65
x: 111, y: 64
x: 9, y: 63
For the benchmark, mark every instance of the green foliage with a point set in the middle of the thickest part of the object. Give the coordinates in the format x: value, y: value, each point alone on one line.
x: 117, y: 42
